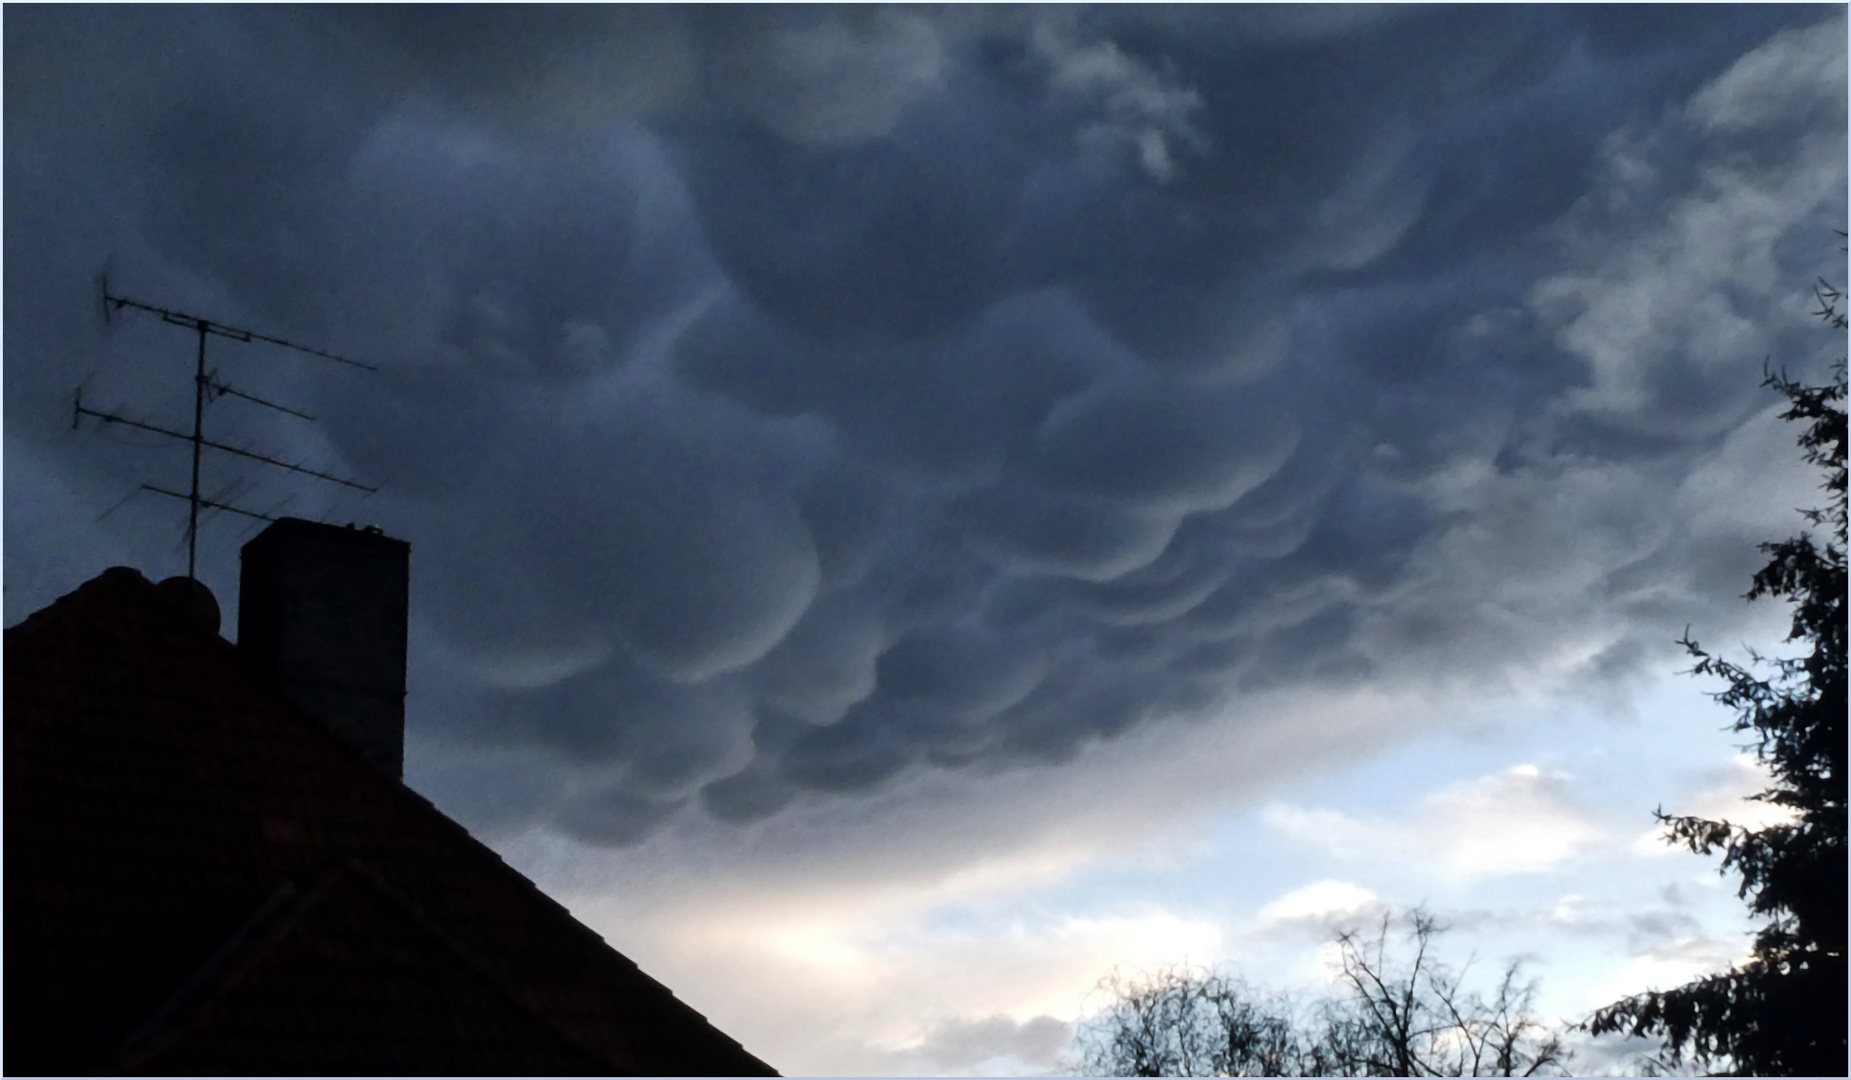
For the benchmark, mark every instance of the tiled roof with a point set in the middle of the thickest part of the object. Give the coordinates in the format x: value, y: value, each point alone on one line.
x: 347, y: 956
x: 200, y: 878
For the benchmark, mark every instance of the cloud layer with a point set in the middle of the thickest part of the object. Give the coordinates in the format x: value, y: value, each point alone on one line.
x: 786, y: 404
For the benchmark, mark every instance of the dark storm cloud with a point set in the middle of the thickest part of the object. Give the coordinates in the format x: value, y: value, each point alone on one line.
x: 781, y: 401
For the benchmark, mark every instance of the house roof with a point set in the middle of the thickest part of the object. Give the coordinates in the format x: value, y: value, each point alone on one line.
x: 201, y: 878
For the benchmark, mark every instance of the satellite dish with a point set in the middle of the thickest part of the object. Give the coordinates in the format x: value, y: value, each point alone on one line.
x: 193, y: 600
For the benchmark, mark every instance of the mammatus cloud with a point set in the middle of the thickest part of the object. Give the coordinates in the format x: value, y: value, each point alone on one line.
x: 788, y: 405
x: 1135, y: 105
x: 831, y: 78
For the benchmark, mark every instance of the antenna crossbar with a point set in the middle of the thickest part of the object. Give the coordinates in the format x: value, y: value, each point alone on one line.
x: 184, y: 497
x: 116, y: 418
x: 210, y: 326
x: 219, y: 387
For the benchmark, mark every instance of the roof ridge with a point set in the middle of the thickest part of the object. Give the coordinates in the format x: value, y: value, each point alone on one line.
x: 58, y: 608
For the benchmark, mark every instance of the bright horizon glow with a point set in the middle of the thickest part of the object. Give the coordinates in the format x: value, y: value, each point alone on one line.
x: 825, y: 979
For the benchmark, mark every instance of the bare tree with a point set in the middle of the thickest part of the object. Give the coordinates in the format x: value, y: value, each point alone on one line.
x: 1189, y: 1022
x: 1399, y: 1012
x: 1415, y: 1017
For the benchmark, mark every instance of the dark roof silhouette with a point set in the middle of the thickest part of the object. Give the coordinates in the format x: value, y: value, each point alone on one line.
x: 200, y: 878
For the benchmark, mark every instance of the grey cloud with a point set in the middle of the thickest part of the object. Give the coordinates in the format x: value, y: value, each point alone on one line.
x: 856, y: 755
x: 822, y: 76
x: 849, y: 510
x: 786, y: 404
x: 614, y: 816
x: 969, y: 1044
x: 969, y: 675
x: 557, y: 70
x: 706, y: 581
x: 812, y: 233
x: 830, y: 76
x: 1155, y: 593
x: 1165, y: 448
x: 1039, y: 531
x: 1789, y: 81
x: 1136, y: 106
x: 752, y: 794
x: 827, y: 662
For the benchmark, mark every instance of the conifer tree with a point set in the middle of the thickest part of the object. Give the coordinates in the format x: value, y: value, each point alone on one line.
x: 1782, y: 1012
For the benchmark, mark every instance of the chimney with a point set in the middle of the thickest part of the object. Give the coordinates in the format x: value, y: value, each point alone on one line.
x: 323, y: 610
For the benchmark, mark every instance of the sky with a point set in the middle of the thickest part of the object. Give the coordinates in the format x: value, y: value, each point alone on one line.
x: 915, y: 509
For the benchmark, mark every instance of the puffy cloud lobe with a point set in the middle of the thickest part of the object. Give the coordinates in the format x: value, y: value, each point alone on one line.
x: 1155, y: 593
x: 1039, y: 531
x: 827, y: 661
x: 968, y: 675
x: 811, y: 236
x: 812, y: 404
x: 705, y: 570
x: 1164, y: 447
x: 831, y: 76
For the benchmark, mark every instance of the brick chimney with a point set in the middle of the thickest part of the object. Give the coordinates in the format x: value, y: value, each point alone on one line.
x: 323, y: 610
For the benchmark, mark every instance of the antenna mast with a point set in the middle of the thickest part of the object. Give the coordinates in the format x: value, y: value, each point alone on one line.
x: 207, y: 385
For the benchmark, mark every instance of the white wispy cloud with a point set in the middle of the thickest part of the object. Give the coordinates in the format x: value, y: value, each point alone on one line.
x: 1719, y: 794
x: 1321, y: 900
x: 1518, y: 821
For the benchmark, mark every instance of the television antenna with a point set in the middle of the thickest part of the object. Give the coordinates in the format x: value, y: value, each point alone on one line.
x: 207, y: 385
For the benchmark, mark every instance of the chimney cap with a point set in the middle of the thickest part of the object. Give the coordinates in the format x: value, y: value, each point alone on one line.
x: 290, y: 529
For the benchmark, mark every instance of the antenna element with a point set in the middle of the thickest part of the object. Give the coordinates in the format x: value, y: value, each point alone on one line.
x: 206, y: 386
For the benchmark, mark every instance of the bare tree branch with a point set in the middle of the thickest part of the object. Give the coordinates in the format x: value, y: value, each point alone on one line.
x: 1390, y: 1018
